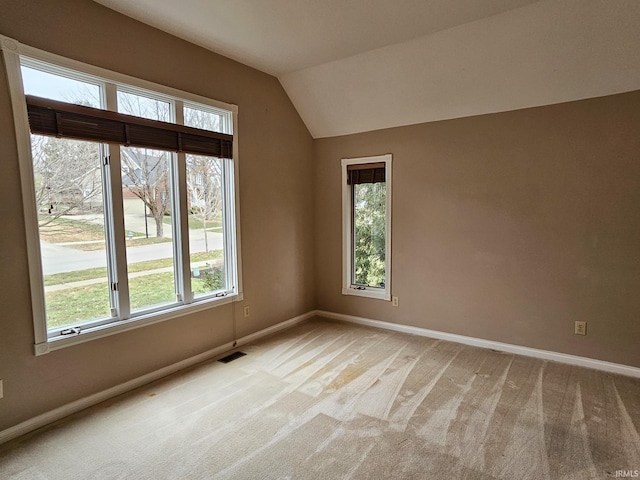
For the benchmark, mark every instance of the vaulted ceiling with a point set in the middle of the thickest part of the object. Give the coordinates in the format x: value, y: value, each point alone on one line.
x: 357, y: 65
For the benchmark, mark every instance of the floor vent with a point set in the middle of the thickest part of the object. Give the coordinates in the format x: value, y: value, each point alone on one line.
x: 232, y: 357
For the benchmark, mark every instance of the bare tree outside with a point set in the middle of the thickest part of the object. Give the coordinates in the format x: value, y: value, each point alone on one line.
x: 205, y: 177
x: 67, y: 177
x: 197, y: 118
x: 204, y: 182
x: 204, y: 174
x: 145, y: 172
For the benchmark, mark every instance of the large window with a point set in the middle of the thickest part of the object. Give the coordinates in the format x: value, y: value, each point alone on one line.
x: 121, y: 232
x: 366, y: 214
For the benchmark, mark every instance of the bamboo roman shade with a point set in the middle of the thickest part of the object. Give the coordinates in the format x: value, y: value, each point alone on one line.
x: 365, y: 173
x: 60, y: 119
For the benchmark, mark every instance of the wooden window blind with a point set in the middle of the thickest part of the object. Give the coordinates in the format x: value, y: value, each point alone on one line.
x: 60, y: 119
x: 365, y: 173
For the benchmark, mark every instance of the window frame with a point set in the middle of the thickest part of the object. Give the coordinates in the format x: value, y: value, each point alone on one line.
x: 44, y: 342
x: 348, y: 286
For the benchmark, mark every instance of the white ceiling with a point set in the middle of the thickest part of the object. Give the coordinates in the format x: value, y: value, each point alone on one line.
x: 283, y: 36
x: 357, y: 65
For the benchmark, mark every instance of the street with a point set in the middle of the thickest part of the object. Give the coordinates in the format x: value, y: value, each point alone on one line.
x: 58, y: 259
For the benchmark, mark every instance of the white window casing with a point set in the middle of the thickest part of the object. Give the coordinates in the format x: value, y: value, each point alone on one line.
x: 349, y: 287
x: 45, y: 340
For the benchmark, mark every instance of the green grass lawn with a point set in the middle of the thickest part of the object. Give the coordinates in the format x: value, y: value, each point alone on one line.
x: 79, y: 304
x: 73, y: 305
x: 133, y: 242
x: 101, y: 272
x: 195, y: 224
x: 66, y: 230
x: 62, y: 230
x: 84, y: 303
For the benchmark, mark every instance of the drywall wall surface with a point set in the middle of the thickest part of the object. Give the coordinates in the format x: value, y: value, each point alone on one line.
x: 275, y: 163
x: 507, y: 227
x: 543, y: 53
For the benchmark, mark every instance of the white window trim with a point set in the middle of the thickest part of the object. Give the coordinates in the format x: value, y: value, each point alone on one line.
x: 347, y: 228
x: 12, y: 50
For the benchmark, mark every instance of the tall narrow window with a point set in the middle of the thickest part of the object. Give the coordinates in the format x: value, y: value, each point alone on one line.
x: 205, y: 187
x: 69, y: 179
x: 366, y: 203
x: 147, y: 191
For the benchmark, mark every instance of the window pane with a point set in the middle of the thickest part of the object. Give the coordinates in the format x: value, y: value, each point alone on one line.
x: 146, y: 191
x: 369, y: 204
x: 144, y: 107
x: 63, y: 89
x: 206, y: 224
x: 146, y: 182
x: 205, y: 120
x: 68, y: 186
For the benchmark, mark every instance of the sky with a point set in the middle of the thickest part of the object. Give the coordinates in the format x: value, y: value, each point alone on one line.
x: 62, y: 88
x: 55, y: 87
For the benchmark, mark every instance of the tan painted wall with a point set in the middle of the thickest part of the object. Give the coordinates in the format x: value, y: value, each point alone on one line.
x: 276, y: 154
x: 506, y: 227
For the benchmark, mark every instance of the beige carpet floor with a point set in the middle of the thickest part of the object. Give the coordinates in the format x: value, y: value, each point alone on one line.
x: 329, y: 400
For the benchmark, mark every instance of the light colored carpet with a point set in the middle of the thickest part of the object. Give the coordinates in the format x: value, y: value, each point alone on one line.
x: 329, y: 400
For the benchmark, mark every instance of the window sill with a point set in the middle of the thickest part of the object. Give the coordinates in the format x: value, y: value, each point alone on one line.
x: 376, y: 293
x: 132, y: 323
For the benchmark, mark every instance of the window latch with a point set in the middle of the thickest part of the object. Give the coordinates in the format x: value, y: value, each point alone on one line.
x: 360, y: 287
x: 70, y: 331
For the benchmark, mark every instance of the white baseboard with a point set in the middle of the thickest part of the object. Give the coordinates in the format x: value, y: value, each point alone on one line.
x: 277, y: 327
x: 73, y: 407
x: 478, y: 342
x: 86, y: 402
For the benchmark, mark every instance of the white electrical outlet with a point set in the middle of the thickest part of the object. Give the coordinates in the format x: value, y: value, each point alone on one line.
x: 581, y: 328
x: 394, y: 301
x: 246, y: 311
